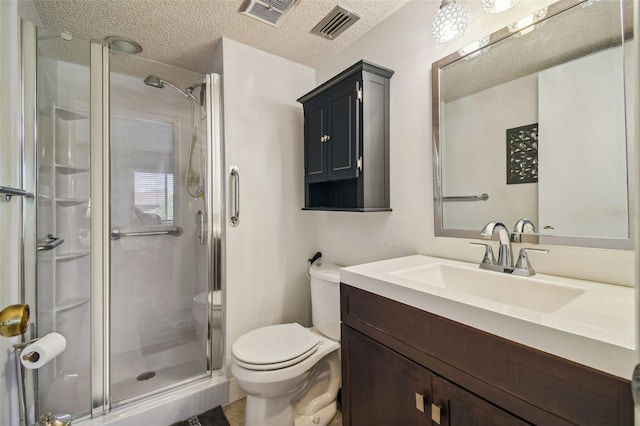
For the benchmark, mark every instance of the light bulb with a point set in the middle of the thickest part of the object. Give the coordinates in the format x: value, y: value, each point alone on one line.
x: 450, y: 22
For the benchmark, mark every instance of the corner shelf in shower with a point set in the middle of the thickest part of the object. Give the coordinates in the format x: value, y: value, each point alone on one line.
x: 69, y: 305
x: 64, y: 169
x: 68, y: 202
x: 73, y: 255
x: 72, y: 304
x: 67, y: 114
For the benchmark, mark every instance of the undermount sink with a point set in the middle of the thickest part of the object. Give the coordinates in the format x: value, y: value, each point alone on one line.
x: 530, y: 293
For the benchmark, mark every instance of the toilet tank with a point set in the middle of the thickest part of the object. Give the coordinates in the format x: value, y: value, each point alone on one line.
x: 325, y: 298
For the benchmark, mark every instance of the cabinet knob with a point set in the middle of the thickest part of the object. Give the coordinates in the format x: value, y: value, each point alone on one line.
x: 328, y: 137
x: 435, y: 413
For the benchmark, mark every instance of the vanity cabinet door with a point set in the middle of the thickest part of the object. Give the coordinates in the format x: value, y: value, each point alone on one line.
x: 381, y: 387
x: 454, y: 406
x: 458, y: 407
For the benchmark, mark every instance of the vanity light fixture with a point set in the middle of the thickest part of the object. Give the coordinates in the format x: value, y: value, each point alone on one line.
x: 527, y: 21
x: 474, y: 47
x: 497, y: 6
x: 450, y: 21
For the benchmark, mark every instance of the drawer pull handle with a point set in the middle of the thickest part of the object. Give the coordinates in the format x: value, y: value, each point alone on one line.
x: 435, y: 413
x: 420, y: 402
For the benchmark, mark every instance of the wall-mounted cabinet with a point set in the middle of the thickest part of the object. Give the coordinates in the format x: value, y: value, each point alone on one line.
x: 346, y: 141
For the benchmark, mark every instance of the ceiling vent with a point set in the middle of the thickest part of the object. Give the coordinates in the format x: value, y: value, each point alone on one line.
x: 271, y: 12
x: 335, y: 23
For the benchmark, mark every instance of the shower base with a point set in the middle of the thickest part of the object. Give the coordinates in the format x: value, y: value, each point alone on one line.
x: 172, y: 362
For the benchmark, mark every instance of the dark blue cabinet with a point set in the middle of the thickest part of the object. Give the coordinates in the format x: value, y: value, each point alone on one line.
x: 346, y: 141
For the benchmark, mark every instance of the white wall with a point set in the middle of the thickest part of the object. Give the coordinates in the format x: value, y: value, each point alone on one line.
x: 267, y: 253
x: 403, y: 43
x: 9, y: 212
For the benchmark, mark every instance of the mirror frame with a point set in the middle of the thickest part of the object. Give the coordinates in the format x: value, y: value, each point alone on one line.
x: 568, y: 240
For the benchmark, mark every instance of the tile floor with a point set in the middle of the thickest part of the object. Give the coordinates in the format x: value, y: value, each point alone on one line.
x: 235, y: 414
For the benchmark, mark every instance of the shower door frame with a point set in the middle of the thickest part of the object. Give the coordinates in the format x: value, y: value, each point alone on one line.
x: 100, y: 223
x: 101, y: 227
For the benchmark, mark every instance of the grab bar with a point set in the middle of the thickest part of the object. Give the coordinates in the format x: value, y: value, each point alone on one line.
x: 14, y: 192
x: 235, y: 200
x: 482, y: 197
x: 116, y: 234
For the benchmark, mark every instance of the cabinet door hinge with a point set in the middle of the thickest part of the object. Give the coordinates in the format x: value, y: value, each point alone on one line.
x: 360, y: 95
x: 358, y: 91
x: 359, y: 163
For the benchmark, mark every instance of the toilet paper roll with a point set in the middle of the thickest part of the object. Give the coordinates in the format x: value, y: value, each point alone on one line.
x: 43, y: 350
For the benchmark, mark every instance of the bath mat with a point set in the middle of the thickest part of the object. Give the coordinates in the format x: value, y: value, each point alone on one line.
x: 214, y: 417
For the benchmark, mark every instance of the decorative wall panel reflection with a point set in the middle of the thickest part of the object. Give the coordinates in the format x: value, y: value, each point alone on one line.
x: 522, y: 154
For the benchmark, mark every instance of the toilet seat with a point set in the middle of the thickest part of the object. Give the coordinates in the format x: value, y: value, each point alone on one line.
x: 277, y: 365
x: 275, y: 347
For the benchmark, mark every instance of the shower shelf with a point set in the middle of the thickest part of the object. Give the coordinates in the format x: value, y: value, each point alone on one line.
x: 72, y: 201
x: 67, y: 114
x: 68, y: 170
x: 72, y: 304
x: 64, y: 169
x: 72, y: 255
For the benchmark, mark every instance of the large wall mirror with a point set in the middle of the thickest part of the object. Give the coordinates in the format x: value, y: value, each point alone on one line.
x: 530, y: 122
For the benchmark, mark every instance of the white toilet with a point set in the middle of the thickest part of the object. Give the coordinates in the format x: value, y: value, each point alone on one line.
x: 291, y: 374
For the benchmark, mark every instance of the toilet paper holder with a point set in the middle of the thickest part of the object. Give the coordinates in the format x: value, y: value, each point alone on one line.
x: 46, y: 419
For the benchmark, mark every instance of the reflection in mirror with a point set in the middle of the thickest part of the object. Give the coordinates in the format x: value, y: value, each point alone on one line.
x: 529, y: 122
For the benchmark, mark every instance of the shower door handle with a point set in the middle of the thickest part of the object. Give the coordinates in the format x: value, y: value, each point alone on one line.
x: 202, y: 234
x: 235, y: 196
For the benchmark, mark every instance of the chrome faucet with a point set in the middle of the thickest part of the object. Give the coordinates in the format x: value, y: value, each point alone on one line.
x: 505, y: 252
x: 522, y: 226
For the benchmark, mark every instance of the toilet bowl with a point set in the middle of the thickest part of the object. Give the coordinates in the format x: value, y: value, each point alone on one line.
x: 291, y: 374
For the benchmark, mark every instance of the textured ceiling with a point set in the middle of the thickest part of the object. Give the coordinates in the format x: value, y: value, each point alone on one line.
x: 184, y: 32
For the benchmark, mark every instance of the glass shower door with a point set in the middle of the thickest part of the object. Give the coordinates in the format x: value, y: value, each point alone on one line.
x: 159, y: 267
x: 63, y: 281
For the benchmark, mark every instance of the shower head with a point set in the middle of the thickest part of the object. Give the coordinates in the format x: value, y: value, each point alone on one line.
x: 155, y: 81
x: 193, y: 87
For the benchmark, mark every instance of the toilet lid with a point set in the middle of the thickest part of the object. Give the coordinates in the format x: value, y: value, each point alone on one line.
x: 276, y: 344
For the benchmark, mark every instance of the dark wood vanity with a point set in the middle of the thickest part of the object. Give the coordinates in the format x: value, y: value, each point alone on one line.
x: 404, y: 366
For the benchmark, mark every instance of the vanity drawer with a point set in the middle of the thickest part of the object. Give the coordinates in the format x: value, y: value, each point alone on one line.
x: 536, y: 386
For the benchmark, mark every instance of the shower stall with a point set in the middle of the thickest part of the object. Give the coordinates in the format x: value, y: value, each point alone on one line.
x: 126, y: 162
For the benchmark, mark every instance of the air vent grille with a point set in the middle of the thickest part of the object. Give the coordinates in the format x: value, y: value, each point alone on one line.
x: 335, y: 23
x: 270, y: 11
x: 281, y: 5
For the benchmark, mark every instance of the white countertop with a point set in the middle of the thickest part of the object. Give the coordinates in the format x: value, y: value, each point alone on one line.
x: 595, y: 329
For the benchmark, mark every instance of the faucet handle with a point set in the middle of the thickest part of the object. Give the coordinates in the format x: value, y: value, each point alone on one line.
x: 489, y: 258
x: 523, y: 266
